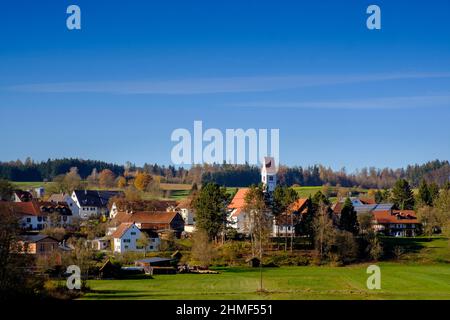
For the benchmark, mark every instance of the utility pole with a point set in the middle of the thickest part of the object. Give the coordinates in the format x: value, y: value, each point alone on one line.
x: 292, y: 231
x: 260, y: 259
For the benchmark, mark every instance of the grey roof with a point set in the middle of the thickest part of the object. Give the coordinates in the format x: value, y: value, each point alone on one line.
x: 35, y: 238
x: 57, y: 197
x: 153, y: 260
x: 95, y: 198
x: 373, y: 207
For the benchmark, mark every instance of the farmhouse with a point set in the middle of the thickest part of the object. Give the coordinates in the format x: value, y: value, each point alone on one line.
x: 126, y: 237
x: 237, y: 217
x: 396, y: 223
x: 93, y: 203
x: 64, y: 197
x: 187, y: 213
x: 362, y: 206
x: 158, y: 222
x: 284, y: 225
x: 37, y: 215
x: 123, y: 205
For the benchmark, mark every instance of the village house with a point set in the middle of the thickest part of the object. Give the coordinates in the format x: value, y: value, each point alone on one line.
x: 21, y: 196
x: 284, y: 225
x: 187, y: 213
x: 39, y: 192
x: 237, y: 218
x: 386, y: 220
x: 396, y: 223
x: 126, y: 239
x: 122, y: 205
x: 101, y: 244
x: 41, y: 245
x: 158, y: 222
x: 64, y: 197
x: 93, y: 203
x: 38, y: 215
x: 362, y: 206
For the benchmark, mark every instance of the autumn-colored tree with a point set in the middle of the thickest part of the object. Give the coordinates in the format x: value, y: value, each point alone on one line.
x: 132, y: 194
x: 92, y: 179
x: 142, y: 180
x: 121, y: 182
x: 106, y: 178
x: 72, y: 180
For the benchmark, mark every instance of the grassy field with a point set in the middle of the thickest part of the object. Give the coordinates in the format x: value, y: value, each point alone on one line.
x: 178, y: 191
x: 422, y: 273
x: 399, y: 281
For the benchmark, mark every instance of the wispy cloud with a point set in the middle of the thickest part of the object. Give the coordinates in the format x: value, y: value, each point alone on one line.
x: 217, y: 85
x: 367, y: 103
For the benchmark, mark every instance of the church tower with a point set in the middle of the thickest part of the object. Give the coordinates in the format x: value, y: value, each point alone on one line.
x: 269, y: 174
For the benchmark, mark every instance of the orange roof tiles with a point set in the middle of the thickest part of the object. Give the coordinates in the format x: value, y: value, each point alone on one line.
x: 385, y: 217
x: 121, y: 229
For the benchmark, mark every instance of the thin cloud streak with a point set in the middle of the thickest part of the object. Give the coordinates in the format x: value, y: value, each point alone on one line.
x: 369, y: 103
x: 216, y: 85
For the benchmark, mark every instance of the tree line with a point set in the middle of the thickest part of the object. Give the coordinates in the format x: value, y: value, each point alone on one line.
x: 230, y: 175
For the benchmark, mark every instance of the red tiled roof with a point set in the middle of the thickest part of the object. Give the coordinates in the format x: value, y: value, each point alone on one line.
x: 30, y: 208
x: 121, y: 229
x: 238, y: 202
x: 385, y: 217
x: 160, y: 217
x: 406, y: 213
x: 337, y: 208
x: 367, y: 200
x: 299, y: 205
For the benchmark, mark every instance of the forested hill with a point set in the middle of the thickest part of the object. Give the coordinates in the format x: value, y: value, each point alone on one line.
x: 234, y: 175
x: 31, y: 171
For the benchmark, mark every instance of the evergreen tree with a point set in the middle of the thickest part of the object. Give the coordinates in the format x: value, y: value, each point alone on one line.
x: 6, y: 190
x: 378, y: 196
x: 306, y: 224
x: 402, y: 195
x: 424, y: 196
x: 434, y: 192
x: 210, y: 206
x: 349, y: 219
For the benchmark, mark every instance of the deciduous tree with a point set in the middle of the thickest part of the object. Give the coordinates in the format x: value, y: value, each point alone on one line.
x: 106, y: 178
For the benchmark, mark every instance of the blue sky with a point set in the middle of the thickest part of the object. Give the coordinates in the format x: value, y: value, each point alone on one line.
x: 341, y: 95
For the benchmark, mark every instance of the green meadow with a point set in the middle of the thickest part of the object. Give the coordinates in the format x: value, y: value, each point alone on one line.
x: 422, y: 273
x: 398, y: 281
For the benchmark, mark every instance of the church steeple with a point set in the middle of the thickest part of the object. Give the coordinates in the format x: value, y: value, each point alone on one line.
x: 269, y: 174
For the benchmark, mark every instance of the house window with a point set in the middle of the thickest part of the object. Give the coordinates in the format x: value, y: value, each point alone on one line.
x: 126, y: 241
x: 41, y: 247
x: 133, y: 233
x: 126, y: 247
x: 139, y: 247
x: 29, y: 220
x: 39, y: 219
x: 151, y: 247
x: 270, y: 178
